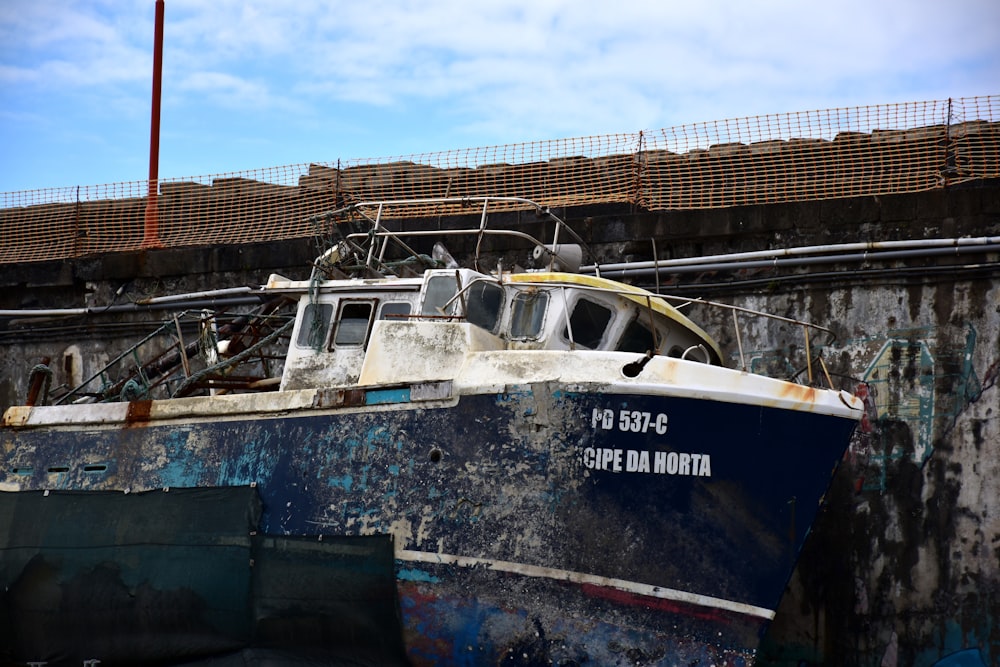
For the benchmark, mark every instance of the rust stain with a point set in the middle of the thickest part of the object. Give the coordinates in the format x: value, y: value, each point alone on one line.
x: 138, y: 412
x: 797, y: 392
x: 335, y: 398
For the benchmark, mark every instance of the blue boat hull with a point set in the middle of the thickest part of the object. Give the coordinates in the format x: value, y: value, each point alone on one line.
x: 541, y: 523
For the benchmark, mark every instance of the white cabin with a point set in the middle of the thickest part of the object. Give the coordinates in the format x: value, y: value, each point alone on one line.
x: 389, y: 330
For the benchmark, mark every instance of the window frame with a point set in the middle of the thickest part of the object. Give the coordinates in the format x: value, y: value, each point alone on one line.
x: 522, y: 295
x: 427, y: 295
x: 569, y: 330
x: 335, y: 325
x: 307, y: 323
x: 641, y: 320
x: 470, y: 299
x: 394, y: 317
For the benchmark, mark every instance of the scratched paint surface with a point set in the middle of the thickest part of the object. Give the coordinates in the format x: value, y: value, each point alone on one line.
x: 713, y: 500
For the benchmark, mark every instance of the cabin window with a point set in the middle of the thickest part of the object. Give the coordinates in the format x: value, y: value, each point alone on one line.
x: 636, y: 338
x: 483, y: 301
x: 527, y: 314
x: 588, y: 322
x: 315, y: 324
x: 440, y: 289
x: 394, y: 311
x: 353, y: 324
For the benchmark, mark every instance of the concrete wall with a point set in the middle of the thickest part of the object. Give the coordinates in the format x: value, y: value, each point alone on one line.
x: 903, y: 566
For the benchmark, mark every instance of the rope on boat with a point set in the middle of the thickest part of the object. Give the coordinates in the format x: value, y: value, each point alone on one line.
x: 317, y: 328
x: 133, y: 391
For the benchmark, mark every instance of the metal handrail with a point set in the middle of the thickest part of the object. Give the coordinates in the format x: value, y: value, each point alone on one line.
x: 379, y: 231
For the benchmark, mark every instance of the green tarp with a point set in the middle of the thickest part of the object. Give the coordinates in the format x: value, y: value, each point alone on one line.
x: 179, y: 577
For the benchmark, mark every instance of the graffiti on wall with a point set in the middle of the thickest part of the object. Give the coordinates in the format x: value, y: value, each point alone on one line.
x: 915, y: 384
x: 919, y: 381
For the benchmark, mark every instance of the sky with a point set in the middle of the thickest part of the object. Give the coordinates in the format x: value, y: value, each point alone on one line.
x: 250, y: 84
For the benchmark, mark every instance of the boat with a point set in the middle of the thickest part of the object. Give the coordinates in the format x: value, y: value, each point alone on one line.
x: 511, y: 466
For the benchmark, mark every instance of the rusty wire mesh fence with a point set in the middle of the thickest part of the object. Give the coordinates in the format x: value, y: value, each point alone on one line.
x: 811, y: 155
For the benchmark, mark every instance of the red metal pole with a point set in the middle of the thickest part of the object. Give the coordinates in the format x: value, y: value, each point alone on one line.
x: 151, y: 229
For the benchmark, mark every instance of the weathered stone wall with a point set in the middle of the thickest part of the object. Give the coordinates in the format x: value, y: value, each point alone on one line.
x: 903, y: 566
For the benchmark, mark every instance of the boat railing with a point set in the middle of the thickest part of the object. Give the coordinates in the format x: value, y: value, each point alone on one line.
x: 139, y: 370
x: 373, y: 243
x: 736, y: 310
x: 193, y: 350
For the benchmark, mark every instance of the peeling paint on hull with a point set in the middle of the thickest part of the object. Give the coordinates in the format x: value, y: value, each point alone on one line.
x: 539, y: 523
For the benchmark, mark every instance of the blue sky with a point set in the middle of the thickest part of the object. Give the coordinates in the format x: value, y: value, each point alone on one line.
x: 262, y: 83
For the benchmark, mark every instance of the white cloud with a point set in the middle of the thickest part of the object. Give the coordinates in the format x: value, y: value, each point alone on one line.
x: 498, y: 71
x: 224, y: 88
x: 388, y: 51
x: 56, y: 44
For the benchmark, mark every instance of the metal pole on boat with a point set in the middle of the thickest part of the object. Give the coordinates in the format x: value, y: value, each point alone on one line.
x: 739, y: 341
x: 151, y: 228
x: 809, y: 361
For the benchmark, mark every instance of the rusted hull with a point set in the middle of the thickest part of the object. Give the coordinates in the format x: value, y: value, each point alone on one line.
x: 541, y: 523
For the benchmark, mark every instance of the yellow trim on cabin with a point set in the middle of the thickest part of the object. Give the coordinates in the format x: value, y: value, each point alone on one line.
x: 640, y: 297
